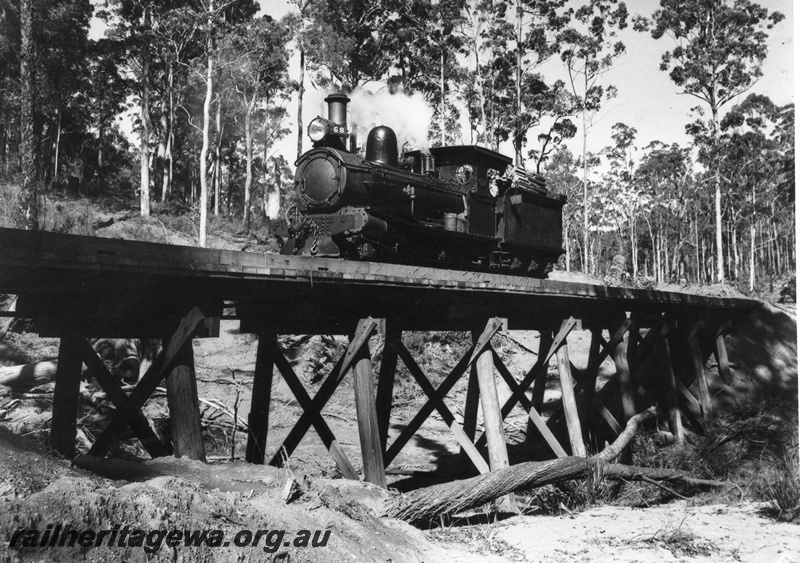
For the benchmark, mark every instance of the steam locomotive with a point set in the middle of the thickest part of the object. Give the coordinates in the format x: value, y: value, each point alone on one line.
x: 458, y: 207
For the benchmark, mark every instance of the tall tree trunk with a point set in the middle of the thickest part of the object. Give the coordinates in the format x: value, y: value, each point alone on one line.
x: 100, y: 163
x: 518, y: 160
x: 248, y: 151
x: 218, y: 158
x: 167, y: 185
x: 443, y: 107
x: 777, y: 254
x: 144, y: 134
x: 676, y: 257
x: 230, y: 181
x: 737, y: 262
x: 659, y: 267
x: 585, y: 192
x: 697, y: 249
x: 730, y: 254
x: 300, y: 91
x: 30, y: 181
x: 160, y: 168
x: 206, y: 127
x: 717, y: 193
x: 56, y: 146
x: 163, y: 137
x: 634, y: 248
x: 481, y: 96
x: 270, y: 203
x: 4, y: 141
x: 752, y: 256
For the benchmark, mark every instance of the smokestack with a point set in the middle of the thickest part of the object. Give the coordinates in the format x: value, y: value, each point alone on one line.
x: 337, y: 114
x: 337, y: 108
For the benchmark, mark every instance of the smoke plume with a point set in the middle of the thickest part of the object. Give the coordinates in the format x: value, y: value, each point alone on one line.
x: 408, y: 115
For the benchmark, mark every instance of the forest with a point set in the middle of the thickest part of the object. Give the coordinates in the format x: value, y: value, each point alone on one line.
x: 185, y: 103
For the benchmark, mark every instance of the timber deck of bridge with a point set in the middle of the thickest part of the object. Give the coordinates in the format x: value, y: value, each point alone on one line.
x: 79, y: 287
x: 64, y: 279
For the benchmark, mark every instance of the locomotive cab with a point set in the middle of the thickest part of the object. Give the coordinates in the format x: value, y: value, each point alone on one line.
x: 474, y: 171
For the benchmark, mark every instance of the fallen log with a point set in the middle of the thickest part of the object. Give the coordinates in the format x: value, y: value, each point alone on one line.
x: 6, y: 322
x: 427, y: 504
x: 120, y: 355
x: 28, y: 376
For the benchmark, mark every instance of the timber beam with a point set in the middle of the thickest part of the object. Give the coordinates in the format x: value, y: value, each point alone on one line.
x: 169, y: 357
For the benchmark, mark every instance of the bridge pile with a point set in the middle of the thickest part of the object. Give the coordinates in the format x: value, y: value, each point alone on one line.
x: 80, y: 287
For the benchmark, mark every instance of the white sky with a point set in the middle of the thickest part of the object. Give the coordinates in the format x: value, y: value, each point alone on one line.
x: 647, y: 99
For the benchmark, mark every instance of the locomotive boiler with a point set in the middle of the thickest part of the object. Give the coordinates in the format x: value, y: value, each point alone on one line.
x: 461, y: 207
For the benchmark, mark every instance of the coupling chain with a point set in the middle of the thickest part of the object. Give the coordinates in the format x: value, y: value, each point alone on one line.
x: 308, y: 224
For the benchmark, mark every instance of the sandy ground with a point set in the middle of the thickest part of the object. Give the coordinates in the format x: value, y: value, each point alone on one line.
x: 676, y: 532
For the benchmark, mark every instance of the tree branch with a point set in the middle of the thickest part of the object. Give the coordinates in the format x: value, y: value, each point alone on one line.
x: 427, y: 504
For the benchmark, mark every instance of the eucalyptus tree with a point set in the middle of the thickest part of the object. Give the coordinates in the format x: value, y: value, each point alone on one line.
x: 589, y: 50
x: 558, y: 105
x: 30, y: 181
x: 256, y: 63
x: 561, y: 171
x: 668, y: 183
x: 299, y: 24
x: 621, y: 189
x: 131, y: 23
x: 216, y: 17
x: 475, y: 22
x: 719, y: 48
x: 177, y: 40
x: 346, y: 41
x: 43, y: 58
x: 426, y: 53
x: 533, y: 35
x: 61, y: 37
x: 753, y: 147
x: 106, y: 93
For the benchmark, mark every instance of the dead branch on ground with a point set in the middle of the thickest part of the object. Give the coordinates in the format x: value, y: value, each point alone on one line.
x: 429, y: 503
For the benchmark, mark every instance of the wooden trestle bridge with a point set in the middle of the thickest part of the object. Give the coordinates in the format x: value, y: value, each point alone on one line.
x: 80, y: 287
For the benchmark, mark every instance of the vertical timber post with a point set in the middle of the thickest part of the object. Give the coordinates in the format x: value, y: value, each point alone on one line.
x: 594, y: 353
x: 700, y: 371
x: 63, y: 428
x: 471, y: 405
x: 675, y: 423
x: 386, y: 375
x: 184, y: 408
x: 540, y: 383
x: 622, y: 354
x: 369, y: 435
x: 722, y: 355
x: 568, y: 400
x: 492, y: 416
x: 539, y: 386
x: 258, y: 419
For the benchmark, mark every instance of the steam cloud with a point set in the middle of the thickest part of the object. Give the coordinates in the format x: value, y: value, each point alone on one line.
x: 409, y: 116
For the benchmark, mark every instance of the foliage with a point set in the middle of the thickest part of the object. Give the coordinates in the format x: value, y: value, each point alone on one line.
x: 753, y: 446
x: 719, y: 49
x: 346, y: 41
x: 720, y: 45
x: 256, y: 65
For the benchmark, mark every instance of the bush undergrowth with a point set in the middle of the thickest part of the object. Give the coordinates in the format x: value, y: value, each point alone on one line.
x: 753, y: 448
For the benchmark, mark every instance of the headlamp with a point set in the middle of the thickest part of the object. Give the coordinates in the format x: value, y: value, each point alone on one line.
x: 318, y: 129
